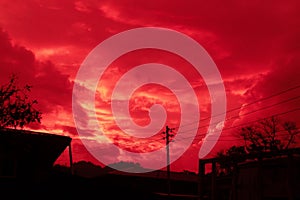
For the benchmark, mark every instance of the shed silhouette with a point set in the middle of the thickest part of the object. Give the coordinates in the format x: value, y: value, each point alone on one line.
x: 28, y: 156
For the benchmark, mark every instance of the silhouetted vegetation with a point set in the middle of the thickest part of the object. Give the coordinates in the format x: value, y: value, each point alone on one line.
x: 16, y: 109
x: 228, y: 158
x: 267, y: 135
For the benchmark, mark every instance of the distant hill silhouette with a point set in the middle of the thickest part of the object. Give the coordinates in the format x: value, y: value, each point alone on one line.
x: 83, y: 169
x: 87, y: 169
x: 128, y: 166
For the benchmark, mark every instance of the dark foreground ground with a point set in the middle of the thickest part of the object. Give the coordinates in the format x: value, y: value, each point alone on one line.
x: 74, y: 187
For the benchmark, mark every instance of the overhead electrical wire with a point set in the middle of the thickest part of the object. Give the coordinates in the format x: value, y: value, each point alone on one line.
x: 247, y: 113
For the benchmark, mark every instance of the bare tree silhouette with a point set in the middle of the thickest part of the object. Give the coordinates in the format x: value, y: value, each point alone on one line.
x: 269, y: 134
x: 266, y: 135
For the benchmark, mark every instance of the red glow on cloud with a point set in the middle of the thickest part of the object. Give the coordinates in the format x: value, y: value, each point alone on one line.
x: 139, y: 105
x: 146, y: 96
x: 254, y: 44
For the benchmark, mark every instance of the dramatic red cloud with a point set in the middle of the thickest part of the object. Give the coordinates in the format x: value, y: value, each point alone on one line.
x: 255, y: 46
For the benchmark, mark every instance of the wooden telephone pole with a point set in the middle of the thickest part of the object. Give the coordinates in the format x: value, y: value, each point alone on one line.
x: 168, y: 135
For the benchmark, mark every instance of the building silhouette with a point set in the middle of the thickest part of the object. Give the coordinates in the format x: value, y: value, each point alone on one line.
x: 260, y: 176
x: 27, y: 158
x: 27, y: 171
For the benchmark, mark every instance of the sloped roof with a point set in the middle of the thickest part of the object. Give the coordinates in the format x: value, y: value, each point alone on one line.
x: 42, y: 147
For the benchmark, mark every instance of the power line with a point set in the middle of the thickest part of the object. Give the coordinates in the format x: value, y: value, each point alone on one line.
x: 245, y: 105
x: 226, y: 128
x: 279, y: 133
x: 249, y: 122
x: 231, y: 127
x: 250, y: 112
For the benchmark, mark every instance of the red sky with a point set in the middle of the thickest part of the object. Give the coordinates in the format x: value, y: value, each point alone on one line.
x: 255, y: 45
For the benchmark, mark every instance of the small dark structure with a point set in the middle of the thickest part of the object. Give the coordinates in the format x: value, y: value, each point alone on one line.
x: 27, y: 157
x: 261, y: 176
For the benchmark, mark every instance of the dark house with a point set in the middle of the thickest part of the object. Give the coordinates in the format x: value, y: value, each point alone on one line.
x: 269, y: 179
x: 262, y: 176
x: 26, y: 157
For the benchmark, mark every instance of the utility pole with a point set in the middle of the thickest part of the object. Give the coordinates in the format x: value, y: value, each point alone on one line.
x: 168, y: 135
